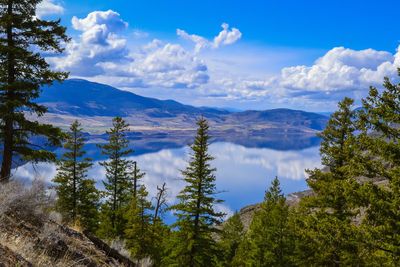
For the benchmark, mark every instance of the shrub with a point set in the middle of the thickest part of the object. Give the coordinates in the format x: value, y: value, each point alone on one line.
x: 30, y: 203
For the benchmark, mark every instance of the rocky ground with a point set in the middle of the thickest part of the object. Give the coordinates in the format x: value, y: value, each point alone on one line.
x: 48, y: 243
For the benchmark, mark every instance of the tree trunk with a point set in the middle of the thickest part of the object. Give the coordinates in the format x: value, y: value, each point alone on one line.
x: 7, y: 152
x: 134, y: 180
x: 5, y: 171
x: 74, y: 193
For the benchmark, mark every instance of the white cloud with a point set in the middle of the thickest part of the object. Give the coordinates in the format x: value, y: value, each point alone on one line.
x: 99, y: 45
x: 341, y: 69
x: 49, y: 7
x: 225, y: 37
x: 160, y: 65
x: 170, y: 65
x: 200, y: 42
x: 242, y: 89
x: 338, y: 73
x: 109, y: 20
x: 105, y: 52
x: 101, y: 52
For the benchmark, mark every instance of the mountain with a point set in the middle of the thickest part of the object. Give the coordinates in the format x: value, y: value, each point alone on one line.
x: 167, y: 123
x: 282, y: 115
x: 81, y: 97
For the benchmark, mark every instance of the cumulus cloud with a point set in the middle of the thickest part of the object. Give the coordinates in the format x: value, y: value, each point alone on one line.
x: 102, y: 52
x: 341, y: 69
x: 160, y: 65
x: 338, y: 73
x: 99, y: 44
x: 49, y: 7
x: 225, y: 37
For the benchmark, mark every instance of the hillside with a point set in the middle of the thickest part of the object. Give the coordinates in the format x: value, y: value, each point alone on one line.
x: 31, y: 235
x: 96, y: 104
x: 83, y: 98
x: 23, y: 243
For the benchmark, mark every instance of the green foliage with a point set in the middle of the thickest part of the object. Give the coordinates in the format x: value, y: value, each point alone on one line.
x: 379, y: 125
x: 271, y: 237
x: 118, y: 187
x: 193, y: 244
x: 137, y: 175
x: 23, y: 71
x: 327, y: 229
x: 231, y: 237
x: 78, y: 198
x: 139, y: 231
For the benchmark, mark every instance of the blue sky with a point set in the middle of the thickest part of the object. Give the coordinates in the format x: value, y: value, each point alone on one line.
x: 241, y: 54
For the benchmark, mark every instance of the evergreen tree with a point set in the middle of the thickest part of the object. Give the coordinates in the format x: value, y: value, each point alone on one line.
x: 231, y: 237
x: 118, y: 186
x: 139, y: 232
x: 271, y: 238
x: 136, y: 176
x: 196, y: 216
x: 23, y: 36
x: 77, y: 196
x: 327, y: 230
x: 379, y: 121
x: 242, y: 255
x: 336, y: 188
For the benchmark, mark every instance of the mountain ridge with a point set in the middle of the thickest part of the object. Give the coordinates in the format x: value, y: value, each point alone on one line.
x: 81, y: 98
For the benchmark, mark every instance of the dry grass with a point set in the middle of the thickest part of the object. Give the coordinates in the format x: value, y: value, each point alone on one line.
x: 26, y: 202
x: 30, y: 230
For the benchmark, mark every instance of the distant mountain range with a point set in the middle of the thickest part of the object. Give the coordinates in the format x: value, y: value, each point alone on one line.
x: 77, y: 97
x: 167, y: 123
x: 84, y: 98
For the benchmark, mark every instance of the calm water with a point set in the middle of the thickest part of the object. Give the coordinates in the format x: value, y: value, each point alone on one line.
x: 243, y: 173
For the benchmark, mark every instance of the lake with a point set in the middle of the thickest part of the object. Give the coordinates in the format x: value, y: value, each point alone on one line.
x: 243, y: 173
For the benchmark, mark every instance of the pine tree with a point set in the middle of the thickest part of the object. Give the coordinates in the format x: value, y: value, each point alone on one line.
x: 231, y: 237
x: 379, y: 121
x: 196, y: 216
x: 336, y: 187
x: 271, y: 238
x: 118, y: 186
x: 136, y: 176
x: 138, y: 232
x: 77, y: 196
x: 327, y: 230
x: 23, y: 71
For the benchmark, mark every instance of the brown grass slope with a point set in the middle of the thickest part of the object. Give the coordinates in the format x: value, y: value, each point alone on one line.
x: 30, y: 235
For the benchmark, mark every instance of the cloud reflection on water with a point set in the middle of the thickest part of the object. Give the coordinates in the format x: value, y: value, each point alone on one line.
x: 243, y: 174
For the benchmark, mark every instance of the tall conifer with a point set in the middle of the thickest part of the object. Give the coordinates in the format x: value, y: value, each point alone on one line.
x: 194, y: 245
x: 118, y: 186
x: 23, y: 36
x: 379, y: 121
x: 231, y: 237
x: 78, y: 198
x: 327, y: 230
x: 271, y: 237
x: 138, y: 232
